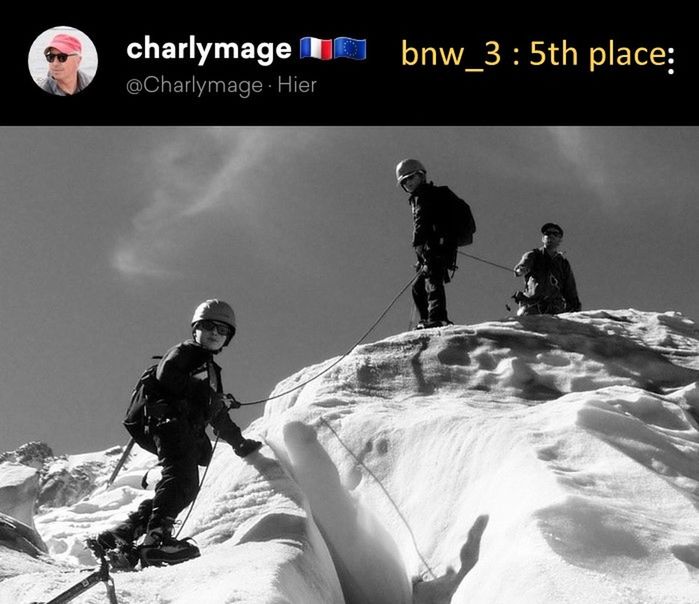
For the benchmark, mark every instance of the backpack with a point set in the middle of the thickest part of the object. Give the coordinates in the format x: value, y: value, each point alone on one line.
x: 458, y: 219
x: 136, y: 420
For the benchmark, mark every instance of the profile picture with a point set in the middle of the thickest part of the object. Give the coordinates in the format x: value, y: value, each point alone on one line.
x: 62, y: 61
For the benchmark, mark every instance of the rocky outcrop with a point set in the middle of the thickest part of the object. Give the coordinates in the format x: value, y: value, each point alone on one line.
x: 64, y: 484
x: 34, y: 454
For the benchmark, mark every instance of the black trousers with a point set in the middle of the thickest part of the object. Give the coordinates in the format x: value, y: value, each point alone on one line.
x: 180, y: 451
x: 429, y: 294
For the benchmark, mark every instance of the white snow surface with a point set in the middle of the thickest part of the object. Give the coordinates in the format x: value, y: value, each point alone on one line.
x: 529, y: 460
x: 19, y: 486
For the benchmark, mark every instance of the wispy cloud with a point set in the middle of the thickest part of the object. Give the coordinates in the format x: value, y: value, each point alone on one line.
x: 196, y: 174
x: 576, y: 145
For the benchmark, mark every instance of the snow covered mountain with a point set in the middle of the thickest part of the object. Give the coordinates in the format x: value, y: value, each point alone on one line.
x: 529, y: 460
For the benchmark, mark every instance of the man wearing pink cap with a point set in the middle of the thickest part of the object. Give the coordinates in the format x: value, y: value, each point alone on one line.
x: 64, y: 54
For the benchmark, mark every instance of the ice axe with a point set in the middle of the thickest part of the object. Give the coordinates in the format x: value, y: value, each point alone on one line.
x: 121, y: 462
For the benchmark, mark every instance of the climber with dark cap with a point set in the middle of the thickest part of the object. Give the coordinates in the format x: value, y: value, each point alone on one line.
x: 548, y: 278
x: 187, y: 396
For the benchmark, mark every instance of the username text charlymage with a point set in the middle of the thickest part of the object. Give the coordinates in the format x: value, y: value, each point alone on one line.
x: 264, y: 53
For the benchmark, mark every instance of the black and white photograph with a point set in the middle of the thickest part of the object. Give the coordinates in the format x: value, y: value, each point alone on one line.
x: 352, y: 363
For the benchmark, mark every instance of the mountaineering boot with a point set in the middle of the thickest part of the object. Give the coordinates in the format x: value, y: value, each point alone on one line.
x: 122, y: 535
x: 438, y: 323
x: 430, y: 324
x: 246, y: 446
x: 123, y: 556
x: 111, y: 539
x: 128, y: 531
x: 160, y: 547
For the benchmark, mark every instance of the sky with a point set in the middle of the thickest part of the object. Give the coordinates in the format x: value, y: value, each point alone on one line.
x: 112, y: 236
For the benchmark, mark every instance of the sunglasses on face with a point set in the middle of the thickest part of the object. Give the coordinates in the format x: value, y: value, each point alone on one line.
x: 553, y: 234
x: 61, y: 56
x: 219, y: 328
x: 409, y: 177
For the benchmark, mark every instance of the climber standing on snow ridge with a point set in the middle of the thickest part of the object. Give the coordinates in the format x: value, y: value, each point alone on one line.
x: 435, y: 249
x: 549, y: 282
x: 186, y: 396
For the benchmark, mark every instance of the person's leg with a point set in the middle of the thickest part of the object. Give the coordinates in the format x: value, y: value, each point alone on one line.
x: 179, y: 481
x: 420, y: 297
x: 130, y: 530
x: 436, y: 294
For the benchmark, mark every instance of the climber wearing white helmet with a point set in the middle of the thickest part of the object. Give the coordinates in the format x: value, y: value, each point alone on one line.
x: 434, y: 247
x: 187, y: 396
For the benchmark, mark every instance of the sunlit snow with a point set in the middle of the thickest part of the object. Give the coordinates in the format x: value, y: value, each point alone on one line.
x: 530, y: 460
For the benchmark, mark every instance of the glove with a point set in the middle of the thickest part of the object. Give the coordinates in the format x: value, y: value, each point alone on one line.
x: 229, y: 401
x: 232, y: 402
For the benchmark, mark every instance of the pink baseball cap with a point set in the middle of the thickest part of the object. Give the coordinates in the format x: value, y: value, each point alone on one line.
x: 66, y: 44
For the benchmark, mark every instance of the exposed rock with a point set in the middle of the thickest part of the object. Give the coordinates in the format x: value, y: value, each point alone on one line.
x: 34, y: 454
x: 64, y: 483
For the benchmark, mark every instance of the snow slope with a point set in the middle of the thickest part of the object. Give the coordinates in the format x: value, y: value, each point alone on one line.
x: 529, y: 460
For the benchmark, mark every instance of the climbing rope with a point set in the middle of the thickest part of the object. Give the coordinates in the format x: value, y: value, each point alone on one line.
x: 388, y: 496
x: 505, y: 268
x: 341, y: 358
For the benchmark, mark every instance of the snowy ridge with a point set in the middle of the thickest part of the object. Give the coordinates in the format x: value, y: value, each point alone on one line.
x: 539, y: 459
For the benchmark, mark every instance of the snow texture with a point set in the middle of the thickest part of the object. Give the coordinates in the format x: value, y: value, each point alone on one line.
x: 528, y: 460
x: 19, y: 487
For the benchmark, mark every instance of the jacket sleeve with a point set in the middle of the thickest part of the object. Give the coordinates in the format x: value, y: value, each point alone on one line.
x: 220, y: 421
x: 223, y: 425
x: 570, y: 290
x: 420, y: 224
